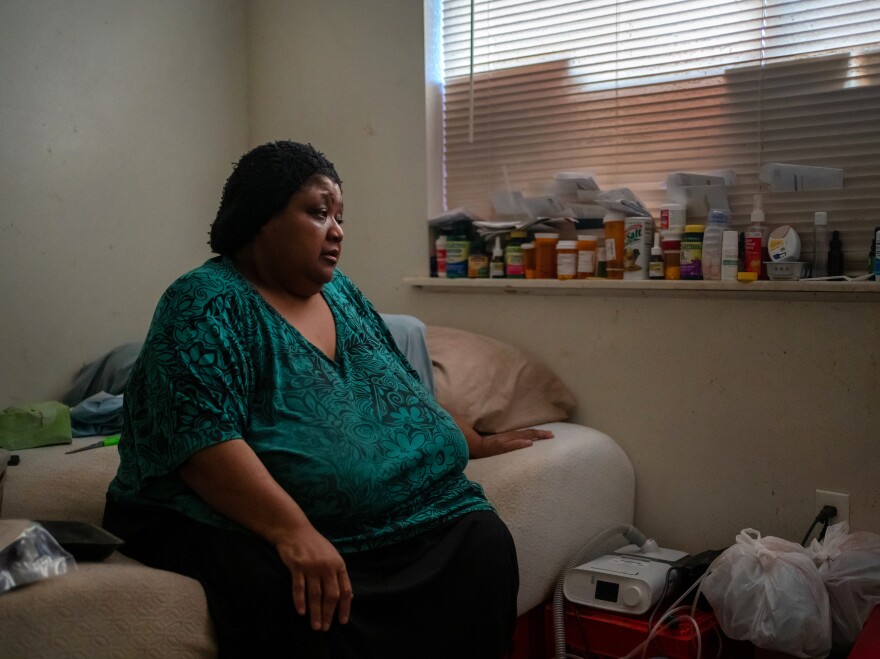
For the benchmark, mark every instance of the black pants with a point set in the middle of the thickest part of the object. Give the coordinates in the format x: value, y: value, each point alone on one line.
x: 447, y: 593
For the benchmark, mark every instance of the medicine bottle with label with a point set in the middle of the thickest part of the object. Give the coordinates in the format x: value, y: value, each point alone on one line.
x: 457, y: 251
x: 496, y: 266
x: 586, y: 257
x: 545, y: 255
x: 478, y: 261
x: 528, y: 257
x: 655, y: 265
x: 566, y: 259
x: 670, y: 241
x: 513, y: 262
x: 691, y: 253
x: 615, y: 233
x: 601, y: 263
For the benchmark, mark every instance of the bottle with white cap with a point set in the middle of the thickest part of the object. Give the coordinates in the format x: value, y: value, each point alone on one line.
x: 729, y: 255
x: 820, y: 245
x: 756, y: 235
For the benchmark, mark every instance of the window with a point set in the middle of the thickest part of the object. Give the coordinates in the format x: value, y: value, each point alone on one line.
x: 632, y: 90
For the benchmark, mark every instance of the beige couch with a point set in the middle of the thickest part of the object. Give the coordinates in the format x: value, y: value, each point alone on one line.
x: 554, y: 496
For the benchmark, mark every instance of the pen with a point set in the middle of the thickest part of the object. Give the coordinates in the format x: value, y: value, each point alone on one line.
x: 113, y: 440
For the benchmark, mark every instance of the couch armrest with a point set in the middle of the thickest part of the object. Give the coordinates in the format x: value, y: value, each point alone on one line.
x: 555, y: 496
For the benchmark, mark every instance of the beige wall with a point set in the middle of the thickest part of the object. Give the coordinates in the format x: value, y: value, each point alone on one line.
x: 118, y: 123
x: 120, y: 120
x: 733, y: 411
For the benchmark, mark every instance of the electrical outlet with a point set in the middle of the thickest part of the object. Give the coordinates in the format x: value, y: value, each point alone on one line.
x: 837, y: 499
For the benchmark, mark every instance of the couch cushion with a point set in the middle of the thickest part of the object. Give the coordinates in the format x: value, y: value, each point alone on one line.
x: 117, y: 608
x: 50, y: 484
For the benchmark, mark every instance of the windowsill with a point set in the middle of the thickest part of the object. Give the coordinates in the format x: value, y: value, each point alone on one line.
x: 863, y: 291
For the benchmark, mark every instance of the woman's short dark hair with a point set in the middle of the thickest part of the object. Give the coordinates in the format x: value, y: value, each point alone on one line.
x: 261, y: 184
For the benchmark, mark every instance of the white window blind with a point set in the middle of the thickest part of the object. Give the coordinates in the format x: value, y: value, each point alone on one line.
x: 632, y: 90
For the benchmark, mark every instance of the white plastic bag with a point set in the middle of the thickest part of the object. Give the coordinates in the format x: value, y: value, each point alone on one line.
x: 849, y: 564
x: 769, y: 592
x: 29, y: 553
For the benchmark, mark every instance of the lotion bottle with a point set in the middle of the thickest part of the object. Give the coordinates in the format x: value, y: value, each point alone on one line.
x: 729, y: 255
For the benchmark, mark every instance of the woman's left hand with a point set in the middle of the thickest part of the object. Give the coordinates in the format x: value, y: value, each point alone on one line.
x: 505, y: 442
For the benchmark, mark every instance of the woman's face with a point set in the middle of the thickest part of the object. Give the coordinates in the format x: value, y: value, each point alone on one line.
x: 300, y: 247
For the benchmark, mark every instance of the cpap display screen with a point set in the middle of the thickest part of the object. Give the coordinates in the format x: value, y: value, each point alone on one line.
x: 607, y: 591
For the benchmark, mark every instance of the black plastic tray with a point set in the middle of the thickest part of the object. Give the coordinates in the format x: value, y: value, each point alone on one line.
x: 85, y: 542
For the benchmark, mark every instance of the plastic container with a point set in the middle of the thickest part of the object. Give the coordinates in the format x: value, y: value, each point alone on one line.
x: 673, y: 216
x: 513, y: 263
x: 615, y: 231
x: 755, y: 239
x: 566, y: 259
x: 598, y: 633
x: 528, y: 256
x: 691, y: 252
x: 787, y: 270
x: 586, y: 260
x: 718, y: 223
x: 783, y: 244
x: 637, y: 243
x: 670, y: 242
x: 820, y: 244
x: 457, y: 252
x: 545, y: 255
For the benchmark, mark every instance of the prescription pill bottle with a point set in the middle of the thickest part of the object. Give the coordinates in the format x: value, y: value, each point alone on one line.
x: 528, y: 258
x: 691, y: 252
x: 586, y: 260
x: 566, y: 259
x: 545, y: 255
x: 615, y: 232
x: 670, y: 243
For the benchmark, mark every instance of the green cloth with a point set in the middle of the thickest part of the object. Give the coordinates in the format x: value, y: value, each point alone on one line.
x: 33, y: 425
x: 357, y: 442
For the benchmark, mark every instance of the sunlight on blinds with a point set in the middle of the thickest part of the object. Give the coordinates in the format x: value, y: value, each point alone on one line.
x: 631, y: 90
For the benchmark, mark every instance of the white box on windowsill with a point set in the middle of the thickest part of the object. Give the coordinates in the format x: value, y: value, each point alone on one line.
x: 797, y: 178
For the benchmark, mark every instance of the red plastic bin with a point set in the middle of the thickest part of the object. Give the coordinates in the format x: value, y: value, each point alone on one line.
x: 609, y: 634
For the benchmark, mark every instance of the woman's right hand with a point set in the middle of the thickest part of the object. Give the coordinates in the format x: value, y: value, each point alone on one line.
x: 233, y: 480
x: 320, y: 580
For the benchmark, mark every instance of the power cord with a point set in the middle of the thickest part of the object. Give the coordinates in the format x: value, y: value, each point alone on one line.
x: 825, y: 516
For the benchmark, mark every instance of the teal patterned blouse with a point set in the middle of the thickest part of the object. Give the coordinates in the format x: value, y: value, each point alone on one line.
x: 358, y: 442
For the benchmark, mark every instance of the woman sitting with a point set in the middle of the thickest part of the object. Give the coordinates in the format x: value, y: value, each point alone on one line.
x: 278, y: 448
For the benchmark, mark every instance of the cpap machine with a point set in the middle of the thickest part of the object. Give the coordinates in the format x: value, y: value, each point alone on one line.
x: 630, y: 580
